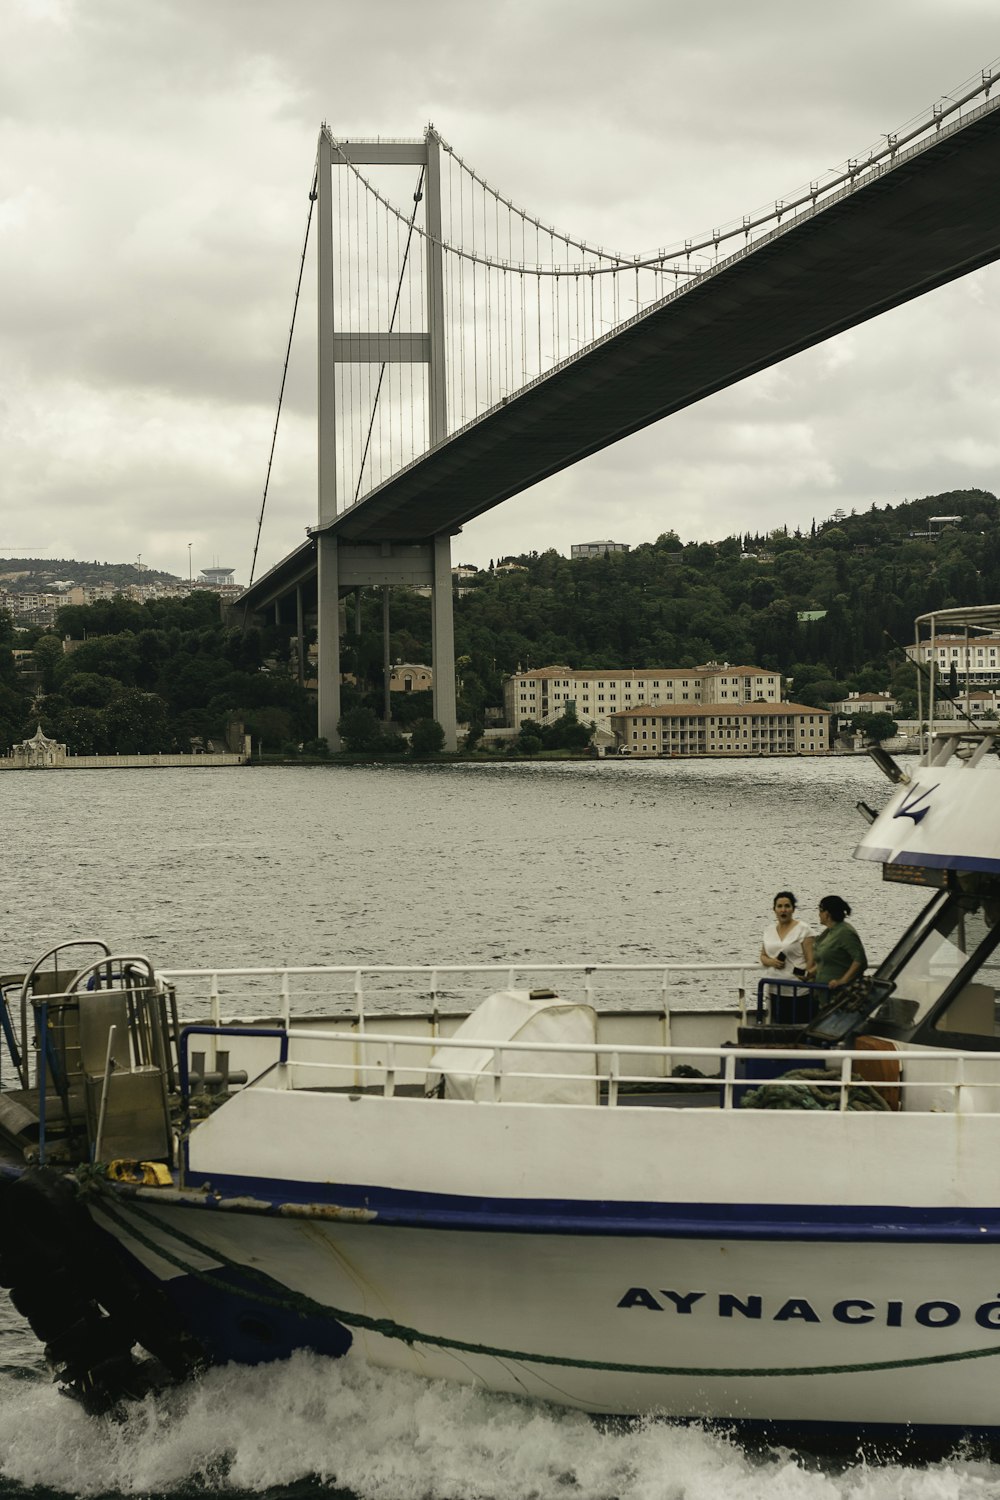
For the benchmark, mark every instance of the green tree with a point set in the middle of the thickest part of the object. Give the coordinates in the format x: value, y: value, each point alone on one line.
x: 318, y: 748
x: 89, y: 689
x: 83, y: 730
x: 874, y: 727
x: 137, y: 723
x: 427, y: 737
x: 360, y: 731
x: 529, y: 740
x: 566, y: 733
x: 48, y: 654
x: 114, y: 656
x: 269, y: 726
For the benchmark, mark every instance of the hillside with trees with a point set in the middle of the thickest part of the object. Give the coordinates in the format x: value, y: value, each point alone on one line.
x: 740, y: 600
x: 39, y: 574
x: 831, y: 609
x: 148, y: 677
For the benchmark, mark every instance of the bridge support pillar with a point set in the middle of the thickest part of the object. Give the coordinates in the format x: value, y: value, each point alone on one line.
x: 351, y: 565
x: 443, y: 642
x: 328, y: 638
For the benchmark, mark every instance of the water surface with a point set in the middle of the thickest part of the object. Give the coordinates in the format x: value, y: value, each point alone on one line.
x: 664, y: 861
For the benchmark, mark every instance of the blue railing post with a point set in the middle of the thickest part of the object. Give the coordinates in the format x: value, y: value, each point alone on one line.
x: 788, y: 984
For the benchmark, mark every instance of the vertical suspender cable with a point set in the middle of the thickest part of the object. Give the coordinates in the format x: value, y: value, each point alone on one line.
x: 475, y: 306
x: 284, y: 376
x: 392, y: 319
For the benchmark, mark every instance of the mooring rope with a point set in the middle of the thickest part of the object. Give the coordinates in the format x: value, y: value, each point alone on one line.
x: 304, y: 1306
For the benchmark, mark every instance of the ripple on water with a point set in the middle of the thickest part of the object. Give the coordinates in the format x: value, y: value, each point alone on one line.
x: 580, y: 862
x: 381, y: 1435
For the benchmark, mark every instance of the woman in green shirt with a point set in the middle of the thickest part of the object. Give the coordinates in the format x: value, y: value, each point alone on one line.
x: 840, y: 954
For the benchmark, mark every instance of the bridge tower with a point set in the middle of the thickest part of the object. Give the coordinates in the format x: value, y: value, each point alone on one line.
x: 342, y: 565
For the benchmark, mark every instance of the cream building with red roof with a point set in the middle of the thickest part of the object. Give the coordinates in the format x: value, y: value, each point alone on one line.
x: 722, y: 729
x: 976, y: 658
x: 543, y: 693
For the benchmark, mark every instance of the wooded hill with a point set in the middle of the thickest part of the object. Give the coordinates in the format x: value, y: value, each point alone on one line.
x: 31, y: 575
x: 667, y: 604
x: 152, y: 676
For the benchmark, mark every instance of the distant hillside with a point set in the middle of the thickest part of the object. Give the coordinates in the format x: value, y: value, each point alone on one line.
x: 862, y: 577
x: 161, y: 675
x: 30, y: 575
x: 831, y: 608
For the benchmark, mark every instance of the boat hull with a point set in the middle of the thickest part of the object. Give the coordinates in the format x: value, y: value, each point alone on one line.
x: 786, y: 1334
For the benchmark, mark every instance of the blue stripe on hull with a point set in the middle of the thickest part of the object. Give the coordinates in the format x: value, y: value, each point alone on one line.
x: 731, y: 1221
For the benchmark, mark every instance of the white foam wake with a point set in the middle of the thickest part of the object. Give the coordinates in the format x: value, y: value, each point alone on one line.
x: 383, y: 1436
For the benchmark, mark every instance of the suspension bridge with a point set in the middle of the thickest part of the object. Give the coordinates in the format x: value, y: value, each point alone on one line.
x: 467, y: 350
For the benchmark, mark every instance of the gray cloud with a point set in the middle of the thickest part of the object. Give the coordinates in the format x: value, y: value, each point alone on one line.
x: 155, y: 161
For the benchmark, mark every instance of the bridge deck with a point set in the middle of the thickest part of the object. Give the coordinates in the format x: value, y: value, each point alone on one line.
x: 923, y: 220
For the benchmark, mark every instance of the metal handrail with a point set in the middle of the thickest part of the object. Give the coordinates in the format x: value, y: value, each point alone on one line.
x: 28, y: 982
x: 725, y: 1057
x: 791, y: 984
x: 507, y: 972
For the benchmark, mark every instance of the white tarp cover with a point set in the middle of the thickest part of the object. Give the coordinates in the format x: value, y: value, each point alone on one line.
x: 511, y: 1015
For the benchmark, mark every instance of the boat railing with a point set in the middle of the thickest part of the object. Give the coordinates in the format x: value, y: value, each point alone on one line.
x: 395, y: 1065
x: 284, y: 991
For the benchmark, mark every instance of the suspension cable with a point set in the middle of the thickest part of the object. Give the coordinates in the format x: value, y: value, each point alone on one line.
x: 313, y: 192
x: 417, y: 196
x: 804, y: 197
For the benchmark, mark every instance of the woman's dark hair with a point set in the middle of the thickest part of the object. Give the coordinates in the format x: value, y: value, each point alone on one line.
x: 788, y: 895
x: 836, y: 907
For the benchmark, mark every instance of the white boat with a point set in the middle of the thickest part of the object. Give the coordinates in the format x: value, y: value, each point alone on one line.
x: 590, y: 1203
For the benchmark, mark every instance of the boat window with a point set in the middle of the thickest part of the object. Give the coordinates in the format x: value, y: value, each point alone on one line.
x: 959, y: 938
x: 972, y: 1010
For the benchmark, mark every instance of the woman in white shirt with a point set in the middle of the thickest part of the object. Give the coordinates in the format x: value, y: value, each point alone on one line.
x: 787, y: 945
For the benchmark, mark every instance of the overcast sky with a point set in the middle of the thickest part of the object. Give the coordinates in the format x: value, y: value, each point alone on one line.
x: 155, y: 159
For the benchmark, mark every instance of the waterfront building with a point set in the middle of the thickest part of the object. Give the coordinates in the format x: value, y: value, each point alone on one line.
x: 976, y: 659
x: 978, y: 703
x: 38, y: 752
x: 410, y: 677
x: 596, y: 549
x: 543, y: 693
x: 866, y: 703
x: 717, y: 729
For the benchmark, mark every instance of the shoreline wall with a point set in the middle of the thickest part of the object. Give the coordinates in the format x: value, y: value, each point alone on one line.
x: 126, y: 762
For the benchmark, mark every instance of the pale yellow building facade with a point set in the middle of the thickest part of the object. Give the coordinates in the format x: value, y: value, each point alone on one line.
x: 543, y: 693
x: 677, y: 729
